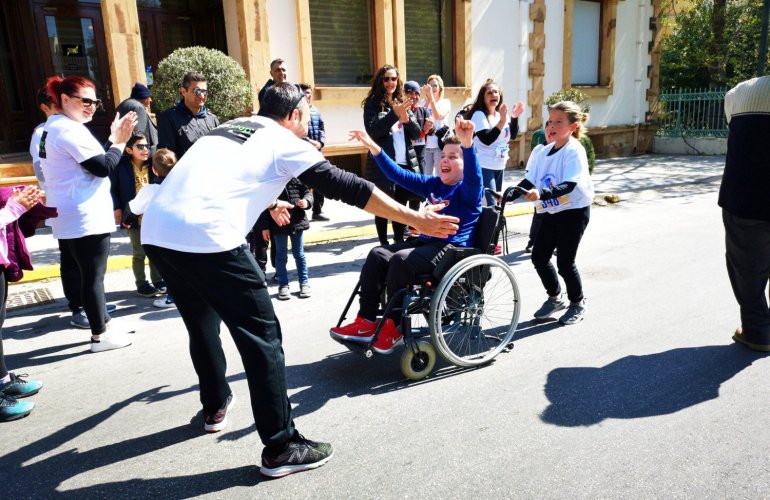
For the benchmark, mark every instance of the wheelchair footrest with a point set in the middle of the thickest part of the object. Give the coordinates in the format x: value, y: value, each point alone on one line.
x: 362, y: 348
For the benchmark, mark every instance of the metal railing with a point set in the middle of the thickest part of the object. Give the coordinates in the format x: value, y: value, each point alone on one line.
x: 692, y: 113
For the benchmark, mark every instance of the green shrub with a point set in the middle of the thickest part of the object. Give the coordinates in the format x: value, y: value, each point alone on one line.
x: 229, y: 91
x: 573, y: 95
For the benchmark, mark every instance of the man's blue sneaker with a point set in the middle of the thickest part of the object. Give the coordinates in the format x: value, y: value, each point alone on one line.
x: 19, y: 387
x: 574, y: 313
x: 12, y: 408
x: 550, y: 307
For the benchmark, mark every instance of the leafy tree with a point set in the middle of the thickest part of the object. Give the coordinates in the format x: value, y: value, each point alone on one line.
x: 230, y: 94
x: 713, y: 44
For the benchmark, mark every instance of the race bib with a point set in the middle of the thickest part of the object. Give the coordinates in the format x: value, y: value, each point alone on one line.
x: 553, y: 204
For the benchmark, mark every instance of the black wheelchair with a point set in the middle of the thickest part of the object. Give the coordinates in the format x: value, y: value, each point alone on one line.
x: 468, y: 307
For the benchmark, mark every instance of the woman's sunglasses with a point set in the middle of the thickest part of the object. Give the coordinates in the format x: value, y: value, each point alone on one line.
x: 389, y: 78
x: 88, y: 102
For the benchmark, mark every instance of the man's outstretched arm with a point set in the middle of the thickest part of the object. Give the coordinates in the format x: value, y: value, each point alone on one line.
x: 338, y: 184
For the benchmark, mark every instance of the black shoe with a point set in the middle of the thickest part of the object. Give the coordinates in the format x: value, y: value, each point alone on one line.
x: 320, y: 218
x: 299, y: 455
x: 528, y: 249
x: 218, y: 421
x: 147, y: 290
x: 161, y: 286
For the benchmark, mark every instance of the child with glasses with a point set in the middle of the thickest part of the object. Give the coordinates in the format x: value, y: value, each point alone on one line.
x: 132, y: 174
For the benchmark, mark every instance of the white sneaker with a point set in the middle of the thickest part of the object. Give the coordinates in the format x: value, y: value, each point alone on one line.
x: 164, y: 303
x: 110, y: 341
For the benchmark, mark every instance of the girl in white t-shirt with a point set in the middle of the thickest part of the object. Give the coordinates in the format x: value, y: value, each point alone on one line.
x: 558, y: 182
x: 438, y: 108
x: 489, y: 114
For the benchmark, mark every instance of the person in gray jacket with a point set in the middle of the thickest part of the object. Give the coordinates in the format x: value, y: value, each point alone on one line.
x: 139, y: 103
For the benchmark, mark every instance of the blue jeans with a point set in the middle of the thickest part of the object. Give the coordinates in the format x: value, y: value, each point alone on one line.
x: 493, y: 179
x: 282, y: 257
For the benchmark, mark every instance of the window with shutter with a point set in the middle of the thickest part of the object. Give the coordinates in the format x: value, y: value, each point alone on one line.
x: 428, y: 33
x: 342, y: 41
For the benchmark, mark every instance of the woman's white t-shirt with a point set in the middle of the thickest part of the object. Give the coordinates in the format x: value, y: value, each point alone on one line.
x: 569, y: 164
x: 399, y: 142
x: 494, y: 156
x: 82, y: 199
x: 444, y: 106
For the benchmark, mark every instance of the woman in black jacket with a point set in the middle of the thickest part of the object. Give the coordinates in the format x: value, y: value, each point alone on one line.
x: 390, y: 122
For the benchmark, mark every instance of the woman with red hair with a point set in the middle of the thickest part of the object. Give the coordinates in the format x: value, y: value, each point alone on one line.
x: 76, y: 169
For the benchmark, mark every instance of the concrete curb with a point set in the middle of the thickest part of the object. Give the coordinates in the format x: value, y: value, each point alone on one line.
x: 119, y: 262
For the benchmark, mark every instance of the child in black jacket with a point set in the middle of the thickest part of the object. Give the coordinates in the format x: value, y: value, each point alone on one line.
x: 301, y: 197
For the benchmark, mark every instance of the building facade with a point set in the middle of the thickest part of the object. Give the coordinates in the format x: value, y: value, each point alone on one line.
x: 532, y: 48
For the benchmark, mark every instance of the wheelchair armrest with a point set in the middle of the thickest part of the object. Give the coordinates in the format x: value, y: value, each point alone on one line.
x: 452, y: 256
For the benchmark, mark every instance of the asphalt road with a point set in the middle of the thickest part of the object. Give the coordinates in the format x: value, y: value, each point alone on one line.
x: 648, y: 397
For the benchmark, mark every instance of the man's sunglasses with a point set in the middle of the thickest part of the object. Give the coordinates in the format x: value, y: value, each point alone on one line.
x: 142, y: 147
x: 88, y: 102
x: 199, y: 91
x: 389, y: 78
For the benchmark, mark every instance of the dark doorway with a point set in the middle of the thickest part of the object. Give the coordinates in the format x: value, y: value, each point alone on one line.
x: 166, y: 25
x: 71, y: 40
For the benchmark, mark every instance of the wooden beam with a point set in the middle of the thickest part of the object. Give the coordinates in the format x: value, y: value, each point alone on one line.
x: 305, y: 41
x: 399, y: 38
x: 124, y: 47
x: 566, y: 65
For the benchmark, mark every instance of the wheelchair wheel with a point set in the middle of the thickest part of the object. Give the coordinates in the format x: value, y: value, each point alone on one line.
x: 418, y: 360
x: 474, y: 311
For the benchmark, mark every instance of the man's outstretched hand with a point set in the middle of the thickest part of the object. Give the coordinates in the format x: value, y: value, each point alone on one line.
x: 432, y: 223
x: 281, y: 213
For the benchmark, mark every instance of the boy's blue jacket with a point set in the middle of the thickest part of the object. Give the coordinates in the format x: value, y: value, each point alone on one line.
x: 464, y: 197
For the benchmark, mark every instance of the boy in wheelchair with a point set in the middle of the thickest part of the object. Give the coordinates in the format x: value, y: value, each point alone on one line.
x: 459, y: 188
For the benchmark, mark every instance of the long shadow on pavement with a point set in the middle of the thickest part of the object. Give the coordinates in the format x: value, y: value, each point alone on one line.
x: 28, y: 477
x: 642, y: 386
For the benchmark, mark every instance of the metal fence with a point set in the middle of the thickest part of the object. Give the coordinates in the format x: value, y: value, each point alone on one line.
x: 692, y: 113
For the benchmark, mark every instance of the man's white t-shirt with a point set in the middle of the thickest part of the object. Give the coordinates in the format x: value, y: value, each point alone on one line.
x: 569, y: 164
x: 211, y: 199
x: 495, y: 155
x: 82, y: 199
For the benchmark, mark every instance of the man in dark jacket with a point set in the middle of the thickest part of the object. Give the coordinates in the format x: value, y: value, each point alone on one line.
x: 277, y: 75
x: 139, y: 103
x: 180, y: 126
x: 745, y: 213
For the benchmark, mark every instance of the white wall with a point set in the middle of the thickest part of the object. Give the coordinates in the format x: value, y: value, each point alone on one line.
x: 499, y: 48
x: 283, y: 36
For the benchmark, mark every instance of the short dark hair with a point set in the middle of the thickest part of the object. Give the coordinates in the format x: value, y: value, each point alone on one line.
x: 43, y: 97
x: 304, y: 86
x: 280, y: 100
x: 276, y: 61
x: 450, y: 138
x: 135, y: 136
x: 192, y: 77
x: 163, y: 160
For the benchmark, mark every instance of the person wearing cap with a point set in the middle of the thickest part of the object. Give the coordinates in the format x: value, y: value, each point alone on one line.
x: 139, y: 103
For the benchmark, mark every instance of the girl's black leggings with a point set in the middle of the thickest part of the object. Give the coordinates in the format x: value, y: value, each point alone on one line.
x: 90, y: 253
x: 562, y: 230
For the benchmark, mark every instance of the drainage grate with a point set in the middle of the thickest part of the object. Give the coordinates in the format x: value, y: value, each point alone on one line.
x: 29, y: 298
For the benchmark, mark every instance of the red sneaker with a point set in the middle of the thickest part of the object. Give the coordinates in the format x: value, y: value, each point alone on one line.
x: 360, y: 330
x: 388, y: 339
x: 498, y: 250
